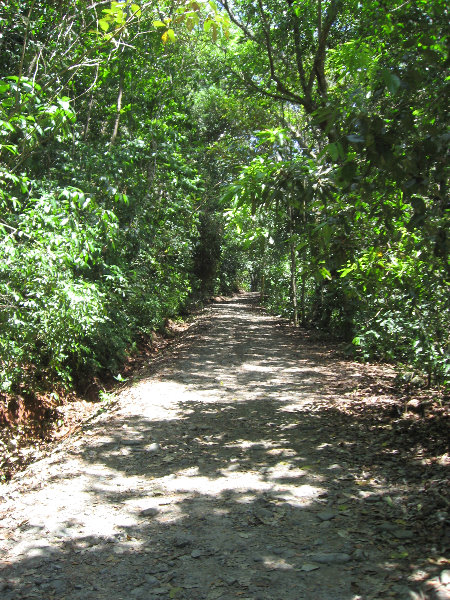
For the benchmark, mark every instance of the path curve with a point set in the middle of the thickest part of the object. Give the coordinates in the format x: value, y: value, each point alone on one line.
x: 224, y: 473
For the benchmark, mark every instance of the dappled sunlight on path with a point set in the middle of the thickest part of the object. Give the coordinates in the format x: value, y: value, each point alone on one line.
x: 227, y: 472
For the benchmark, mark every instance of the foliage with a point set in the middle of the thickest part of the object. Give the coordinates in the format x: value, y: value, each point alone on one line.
x: 97, y: 246
x: 372, y: 251
x: 152, y: 155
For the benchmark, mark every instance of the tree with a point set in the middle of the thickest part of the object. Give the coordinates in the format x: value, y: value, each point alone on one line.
x: 122, y: 123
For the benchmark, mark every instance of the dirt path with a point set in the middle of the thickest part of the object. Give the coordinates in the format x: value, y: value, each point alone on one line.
x: 230, y: 471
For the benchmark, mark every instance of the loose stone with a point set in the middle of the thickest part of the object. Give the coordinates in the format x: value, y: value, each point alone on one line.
x: 331, y: 558
x: 326, y: 515
x: 149, y: 512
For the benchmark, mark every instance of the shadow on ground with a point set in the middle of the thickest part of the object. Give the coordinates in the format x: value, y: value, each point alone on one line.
x: 255, y: 484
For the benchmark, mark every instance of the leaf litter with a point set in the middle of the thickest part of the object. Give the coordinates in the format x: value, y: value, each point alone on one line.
x: 357, y: 505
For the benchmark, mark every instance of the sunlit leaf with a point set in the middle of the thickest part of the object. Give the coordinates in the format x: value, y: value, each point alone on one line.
x: 103, y: 24
x: 135, y: 9
x: 325, y: 273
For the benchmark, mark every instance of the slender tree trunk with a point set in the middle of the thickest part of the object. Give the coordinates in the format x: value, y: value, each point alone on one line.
x: 22, y: 58
x: 263, y: 244
x: 294, y: 285
x: 304, y: 267
x: 88, y: 117
x: 151, y: 170
x: 319, y: 17
x: 90, y: 107
x: 302, y: 299
x: 119, y: 108
x: 294, y: 298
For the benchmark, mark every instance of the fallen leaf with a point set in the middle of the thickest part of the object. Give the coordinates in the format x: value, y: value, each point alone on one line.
x: 399, y: 554
x: 343, y: 534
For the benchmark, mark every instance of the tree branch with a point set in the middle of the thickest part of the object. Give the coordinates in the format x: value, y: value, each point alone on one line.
x: 234, y: 20
x: 317, y: 71
x: 22, y: 58
x: 289, y: 97
x: 298, y: 55
x: 269, y: 49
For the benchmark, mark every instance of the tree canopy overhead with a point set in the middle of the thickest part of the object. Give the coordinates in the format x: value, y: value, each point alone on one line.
x: 153, y: 154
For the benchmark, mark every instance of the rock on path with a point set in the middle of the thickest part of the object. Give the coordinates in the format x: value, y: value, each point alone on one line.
x: 222, y: 475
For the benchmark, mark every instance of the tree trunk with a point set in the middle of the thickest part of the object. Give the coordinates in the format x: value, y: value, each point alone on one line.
x: 294, y: 298
x: 119, y: 108
x: 90, y: 107
x: 302, y: 299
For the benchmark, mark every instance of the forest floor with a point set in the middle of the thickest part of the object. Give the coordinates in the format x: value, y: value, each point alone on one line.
x: 253, y: 461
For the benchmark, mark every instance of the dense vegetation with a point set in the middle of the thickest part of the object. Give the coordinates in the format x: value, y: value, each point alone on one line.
x: 153, y: 154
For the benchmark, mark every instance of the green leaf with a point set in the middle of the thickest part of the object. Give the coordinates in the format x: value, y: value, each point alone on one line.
x: 418, y: 205
x: 103, y: 24
x: 6, y: 125
x: 325, y: 273
x: 120, y: 377
x: 135, y: 9
x: 333, y: 151
x: 64, y: 102
x: 158, y: 24
x: 347, y: 270
x: 336, y: 150
x: 348, y: 171
x: 403, y: 554
x: 392, y: 81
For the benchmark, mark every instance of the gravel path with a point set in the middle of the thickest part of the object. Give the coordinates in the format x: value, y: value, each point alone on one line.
x: 223, y: 473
